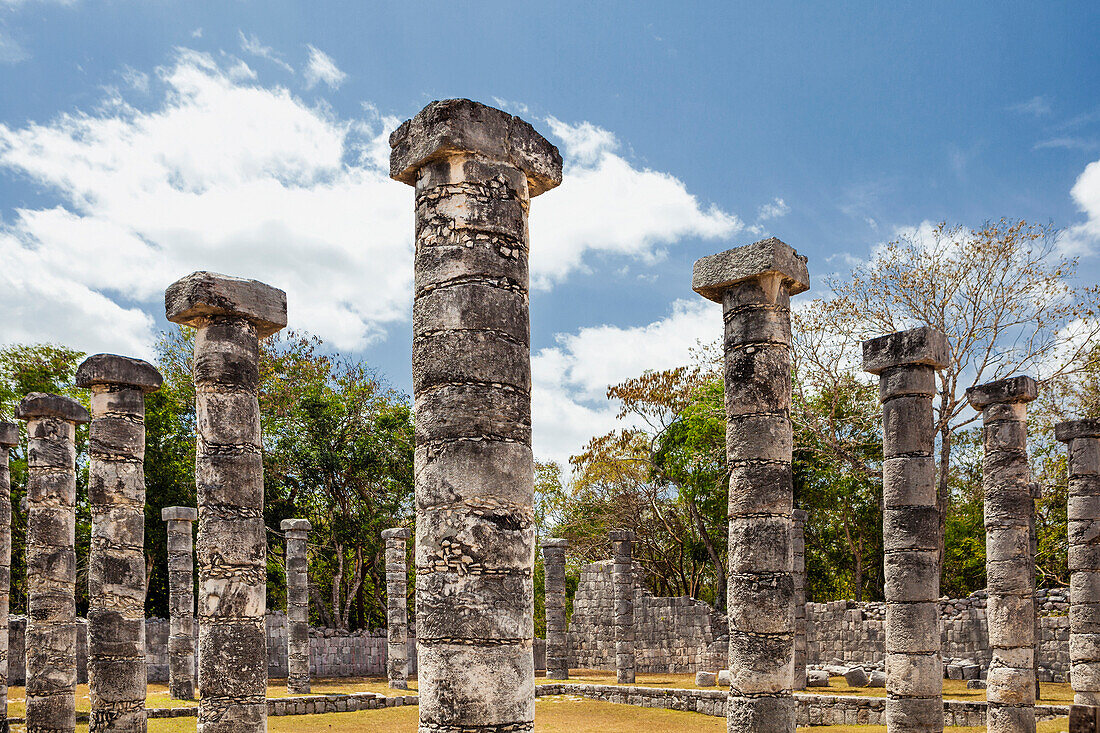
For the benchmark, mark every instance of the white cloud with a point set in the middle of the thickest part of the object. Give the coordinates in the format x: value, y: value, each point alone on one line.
x: 321, y: 68
x: 773, y: 210
x: 607, y: 205
x: 11, y: 52
x: 197, y: 33
x: 226, y: 176
x: 1083, y: 238
x: 570, y: 379
x: 251, y: 44
x: 1038, y: 106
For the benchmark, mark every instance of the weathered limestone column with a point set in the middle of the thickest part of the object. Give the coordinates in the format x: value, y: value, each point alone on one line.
x: 116, y: 563
x: 231, y: 315
x: 181, y: 601
x: 557, y: 642
x: 1083, y: 515
x: 906, y: 364
x: 475, y: 169
x: 754, y: 284
x: 297, y: 605
x: 9, y: 438
x: 397, y: 613
x: 1008, y: 509
x: 798, y: 552
x: 51, y: 560
x: 622, y: 580
x: 1036, y: 495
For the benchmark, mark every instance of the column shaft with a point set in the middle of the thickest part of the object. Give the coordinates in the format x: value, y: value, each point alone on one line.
x: 51, y: 561
x: 798, y: 551
x: 474, y: 169
x: 297, y: 605
x: 906, y: 364
x: 181, y: 602
x: 557, y: 643
x: 397, y: 614
x: 9, y: 438
x: 622, y: 579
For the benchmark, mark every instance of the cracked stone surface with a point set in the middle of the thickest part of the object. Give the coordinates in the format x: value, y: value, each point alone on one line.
x: 906, y: 364
x: 622, y: 581
x: 116, y: 563
x: 1082, y: 438
x: 475, y: 170
x: 557, y: 639
x: 230, y: 316
x: 397, y: 613
x: 1009, y: 507
x: 754, y: 284
x: 51, y: 560
x: 9, y: 438
x: 297, y: 604
x: 798, y: 552
x: 181, y: 601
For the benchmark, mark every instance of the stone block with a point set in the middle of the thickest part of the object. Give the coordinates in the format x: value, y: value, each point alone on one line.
x: 110, y: 369
x: 200, y: 295
x: 9, y: 435
x: 713, y: 275
x: 705, y: 679
x: 922, y: 346
x: 1010, y: 390
x: 40, y: 405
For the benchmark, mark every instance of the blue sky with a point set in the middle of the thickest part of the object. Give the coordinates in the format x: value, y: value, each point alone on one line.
x: 142, y: 140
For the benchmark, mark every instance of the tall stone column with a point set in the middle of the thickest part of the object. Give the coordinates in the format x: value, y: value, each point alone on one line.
x: 1036, y: 495
x: 9, y: 438
x: 297, y: 605
x: 1008, y: 565
x: 116, y: 563
x: 754, y: 284
x: 798, y: 552
x: 181, y: 601
x: 557, y: 643
x: 1083, y: 514
x: 230, y: 315
x: 51, y: 560
x: 906, y: 364
x: 475, y: 170
x: 397, y: 613
x: 622, y: 580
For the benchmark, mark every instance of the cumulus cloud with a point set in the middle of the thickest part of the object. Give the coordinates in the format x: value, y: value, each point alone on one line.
x: 1083, y: 238
x: 773, y: 210
x: 608, y: 205
x: 321, y: 68
x: 570, y: 379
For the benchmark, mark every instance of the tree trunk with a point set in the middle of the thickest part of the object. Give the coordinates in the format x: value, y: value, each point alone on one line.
x: 715, y: 558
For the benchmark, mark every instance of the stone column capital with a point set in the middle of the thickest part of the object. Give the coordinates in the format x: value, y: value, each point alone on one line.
x: 460, y: 126
x: 621, y: 535
x: 295, y: 527
x: 1013, y: 390
x: 179, y: 514
x: 714, y: 274
x: 38, y: 405
x: 555, y: 542
x: 200, y: 295
x: 1073, y: 429
x: 397, y: 533
x: 111, y: 370
x: 9, y: 435
x: 924, y: 346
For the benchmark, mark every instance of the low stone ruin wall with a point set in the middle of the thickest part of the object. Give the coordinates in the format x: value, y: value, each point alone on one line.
x: 670, y: 634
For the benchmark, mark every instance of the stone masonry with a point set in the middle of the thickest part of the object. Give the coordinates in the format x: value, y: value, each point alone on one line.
x: 51, y: 560
x: 475, y: 170
x: 1009, y: 569
x: 231, y: 315
x: 622, y: 577
x: 181, y: 601
x: 557, y: 642
x: 754, y: 284
x: 116, y: 564
x: 1083, y: 520
x: 397, y: 606
x: 906, y: 364
x: 798, y: 550
x: 297, y: 605
x: 9, y: 438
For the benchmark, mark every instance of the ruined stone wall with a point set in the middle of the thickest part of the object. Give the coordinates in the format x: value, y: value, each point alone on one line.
x: 671, y: 634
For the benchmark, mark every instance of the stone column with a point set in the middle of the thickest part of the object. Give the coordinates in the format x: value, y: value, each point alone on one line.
x: 798, y: 552
x: 557, y: 643
x: 231, y: 315
x: 906, y: 364
x: 1008, y: 508
x: 475, y: 170
x: 1083, y: 520
x: 9, y: 438
x: 622, y: 580
x: 397, y: 613
x: 297, y: 605
x: 181, y: 601
x: 51, y: 560
x: 116, y: 563
x: 754, y: 284
x: 1036, y: 495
